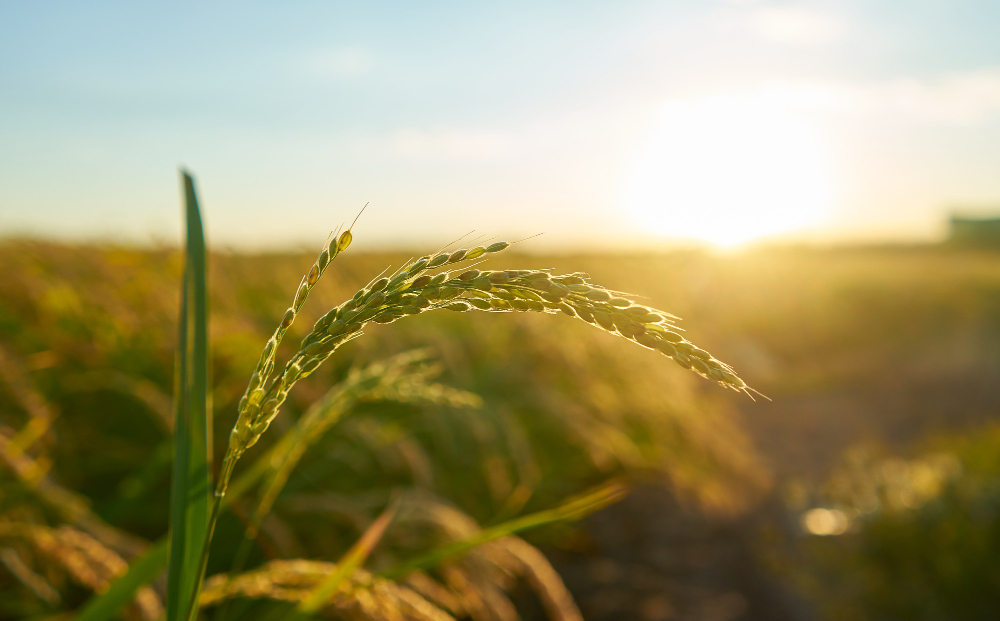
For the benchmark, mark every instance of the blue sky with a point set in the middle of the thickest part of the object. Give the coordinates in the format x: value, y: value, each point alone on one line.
x: 610, y: 123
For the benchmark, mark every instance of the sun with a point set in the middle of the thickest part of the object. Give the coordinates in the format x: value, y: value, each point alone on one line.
x: 728, y: 170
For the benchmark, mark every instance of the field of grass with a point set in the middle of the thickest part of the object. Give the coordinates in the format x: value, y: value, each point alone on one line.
x: 886, y: 348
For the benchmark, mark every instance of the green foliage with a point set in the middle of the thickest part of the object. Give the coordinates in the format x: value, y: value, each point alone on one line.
x: 143, y: 570
x: 190, y: 492
x: 573, y: 411
x: 927, y: 550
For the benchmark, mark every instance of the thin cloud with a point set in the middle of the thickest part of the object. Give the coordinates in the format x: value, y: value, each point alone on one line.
x: 797, y: 26
x: 956, y: 99
x: 962, y: 98
x: 449, y: 143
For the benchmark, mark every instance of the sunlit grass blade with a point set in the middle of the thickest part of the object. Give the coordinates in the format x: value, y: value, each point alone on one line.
x: 311, y: 605
x: 573, y: 509
x: 190, y: 487
x: 141, y: 572
x: 155, y: 560
x: 351, y: 561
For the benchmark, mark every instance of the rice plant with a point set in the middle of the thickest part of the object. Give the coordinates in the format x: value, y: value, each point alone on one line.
x: 453, y: 567
x: 427, y: 284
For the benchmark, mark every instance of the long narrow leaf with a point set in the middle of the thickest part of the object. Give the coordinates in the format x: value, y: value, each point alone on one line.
x: 312, y: 604
x: 574, y: 509
x: 190, y: 493
x: 349, y: 562
x: 141, y: 572
x: 124, y: 588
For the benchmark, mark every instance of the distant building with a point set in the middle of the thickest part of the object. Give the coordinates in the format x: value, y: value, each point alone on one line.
x: 967, y: 231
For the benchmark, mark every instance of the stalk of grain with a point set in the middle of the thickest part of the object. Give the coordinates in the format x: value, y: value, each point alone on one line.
x: 426, y: 284
x: 422, y: 286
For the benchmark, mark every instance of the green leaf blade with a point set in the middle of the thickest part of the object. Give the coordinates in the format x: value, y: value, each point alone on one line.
x: 190, y: 498
x: 141, y: 572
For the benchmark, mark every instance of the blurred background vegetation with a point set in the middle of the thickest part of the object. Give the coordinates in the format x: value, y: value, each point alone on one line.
x: 866, y: 488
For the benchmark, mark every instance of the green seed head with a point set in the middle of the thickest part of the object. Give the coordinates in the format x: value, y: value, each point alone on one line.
x: 397, y: 279
x: 699, y: 365
x: 497, y: 246
x: 313, y: 275
x: 380, y: 284
x: 630, y: 330
x: 300, y: 294
x: 701, y: 353
x: 312, y: 365
x: 441, y: 259
x: 666, y: 348
x: 344, y: 241
x: 421, y: 281
x: 456, y: 256
x: 268, y: 348
x: 599, y: 295
x: 646, y: 341
x: 685, y: 347
x: 619, y: 302
x: 287, y: 320
x: 541, y: 284
x: 604, y: 320
x: 439, y: 278
x: 324, y: 322
x: 418, y: 265
x: 469, y: 275
x: 480, y: 303
x: 673, y: 337
x: 460, y: 307
x: 475, y: 253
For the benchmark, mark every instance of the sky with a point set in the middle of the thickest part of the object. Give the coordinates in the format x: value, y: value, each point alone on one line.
x: 600, y: 124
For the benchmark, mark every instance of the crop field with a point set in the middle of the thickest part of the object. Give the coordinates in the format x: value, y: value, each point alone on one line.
x: 873, y: 458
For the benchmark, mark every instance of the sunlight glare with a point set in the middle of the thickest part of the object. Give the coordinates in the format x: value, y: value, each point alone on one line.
x: 727, y: 170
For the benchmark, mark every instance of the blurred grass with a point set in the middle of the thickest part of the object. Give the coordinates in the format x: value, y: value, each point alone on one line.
x: 891, y: 343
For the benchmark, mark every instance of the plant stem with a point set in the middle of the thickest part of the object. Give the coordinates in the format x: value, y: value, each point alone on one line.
x: 228, y: 463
